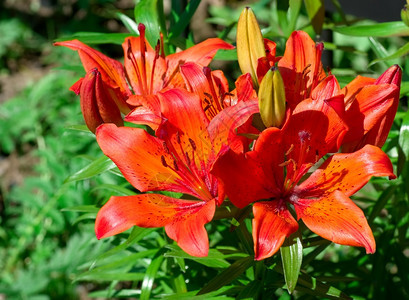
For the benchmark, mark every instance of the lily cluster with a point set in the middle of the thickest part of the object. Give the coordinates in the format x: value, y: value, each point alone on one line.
x: 287, y: 140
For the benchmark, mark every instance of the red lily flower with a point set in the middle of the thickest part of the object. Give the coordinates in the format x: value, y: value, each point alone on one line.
x: 213, y: 89
x: 301, y: 67
x: 147, y: 70
x: 281, y: 157
x: 178, y: 159
x: 371, y: 106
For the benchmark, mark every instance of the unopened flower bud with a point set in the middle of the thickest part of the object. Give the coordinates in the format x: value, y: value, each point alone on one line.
x: 250, y: 44
x: 404, y: 14
x: 97, y: 101
x: 391, y: 75
x: 271, y: 99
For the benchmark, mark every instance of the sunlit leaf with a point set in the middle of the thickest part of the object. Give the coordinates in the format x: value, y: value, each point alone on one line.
x: 316, y: 14
x: 404, y: 135
x: 146, y: 13
x: 150, y: 275
x: 90, y: 38
x: 98, y: 166
x: 380, y: 29
x: 128, y: 23
x: 291, y: 257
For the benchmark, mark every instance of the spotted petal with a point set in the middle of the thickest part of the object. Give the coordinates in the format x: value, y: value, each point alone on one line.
x: 183, y: 220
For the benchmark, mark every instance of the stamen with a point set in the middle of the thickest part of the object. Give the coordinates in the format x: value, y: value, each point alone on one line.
x: 131, y: 57
x: 208, y: 73
x: 142, y: 42
x: 157, y: 49
x: 290, y: 150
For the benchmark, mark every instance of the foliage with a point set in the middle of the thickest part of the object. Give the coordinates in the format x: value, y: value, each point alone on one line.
x: 48, y: 248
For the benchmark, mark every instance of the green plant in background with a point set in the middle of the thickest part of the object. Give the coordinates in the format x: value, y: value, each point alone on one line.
x: 47, y: 228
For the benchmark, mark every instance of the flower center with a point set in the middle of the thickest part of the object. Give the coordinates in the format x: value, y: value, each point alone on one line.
x: 182, y: 158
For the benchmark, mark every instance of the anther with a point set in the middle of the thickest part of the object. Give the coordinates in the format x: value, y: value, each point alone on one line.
x: 290, y: 150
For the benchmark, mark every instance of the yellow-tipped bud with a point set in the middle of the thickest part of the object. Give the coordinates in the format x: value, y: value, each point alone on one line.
x: 271, y: 99
x: 250, y: 44
x: 404, y: 14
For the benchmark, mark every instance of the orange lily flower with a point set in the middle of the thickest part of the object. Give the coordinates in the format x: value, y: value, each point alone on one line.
x: 147, y: 70
x: 371, y: 106
x: 301, y: 67
x: 178, y: 159
x: 281, y: 157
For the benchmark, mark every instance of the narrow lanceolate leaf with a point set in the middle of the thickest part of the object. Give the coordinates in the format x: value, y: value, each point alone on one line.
x: 399, y: 53
x: 150, y: 275
x: 404, y: 135
x: 90, y: 38
x: 381, y: 29
x: 316, y: 14
x: 292, y: 14
x: 146, y: 12
x: 228, y: 275
x: 184, y: 19
x: 128, y: 23
x: 96, y: 167
x: 319, y: 289
x: 291, y: 257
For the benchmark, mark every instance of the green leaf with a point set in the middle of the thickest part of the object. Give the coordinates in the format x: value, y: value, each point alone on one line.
x: 214, y: 259
x: 111, y: 276
x: 82, y: 208
x: 96, y: 167
x: 404, y: 135
x: 380, y: 51
x: 292, y: 14
x: 319, y: 289
x: 229, y: 55
x: 381, y: 201
x: 150, y: 275
x: 316, y: 14
x: 146, y: 13
x: 184, y: 19
x: 136, y: 235
x: 97, y: 38
x: 379, y: 30
x: 128, y: 23
x: 291, y: 257
x: 228, y: 275
x: 117, y: 189
x: 399, y: 53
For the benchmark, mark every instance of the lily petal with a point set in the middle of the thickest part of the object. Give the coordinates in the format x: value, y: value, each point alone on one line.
x: 272, y: 223
x: 369, y: 117
x: 338, y: 219
x: 183, y: 220
x: 300, y: 67
x: 223, y: 128
x: 201, y: 54
x: 140, y: 157
x: 111, y: 70
x: 347, y: 172
x: 242, y: 176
